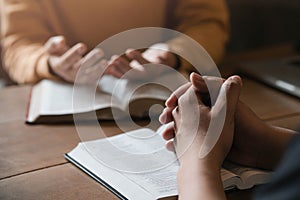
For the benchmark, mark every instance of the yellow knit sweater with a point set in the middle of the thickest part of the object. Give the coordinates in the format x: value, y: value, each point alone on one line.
x: 28, y: 24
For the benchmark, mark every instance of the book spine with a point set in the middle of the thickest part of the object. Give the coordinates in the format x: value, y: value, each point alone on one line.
x: 28, y: 104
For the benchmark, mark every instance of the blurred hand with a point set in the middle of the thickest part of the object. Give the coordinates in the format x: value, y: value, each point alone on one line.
x: 65, y: 61
x: 56, y: 45
x: 181, y: 119
x: 157, y: 54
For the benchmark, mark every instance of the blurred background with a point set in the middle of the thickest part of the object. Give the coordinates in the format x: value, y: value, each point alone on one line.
x: 254, y: 24
x: 258, y: 23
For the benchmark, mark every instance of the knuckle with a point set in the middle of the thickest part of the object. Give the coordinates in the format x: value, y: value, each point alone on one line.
x: 55, y: 63
x: 188, y: 98
x: 72, y: 59
x: 232, y: 85
x: 204, y: 112
x: 181, y: 100
x: 175, y: 112
x: 227, y: 87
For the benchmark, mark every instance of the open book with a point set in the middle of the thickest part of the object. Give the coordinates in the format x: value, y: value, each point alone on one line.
x: 52, y: 102
x: 135, y: 165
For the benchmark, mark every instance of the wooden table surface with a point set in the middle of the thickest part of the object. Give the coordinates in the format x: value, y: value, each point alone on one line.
x: 32, y: 165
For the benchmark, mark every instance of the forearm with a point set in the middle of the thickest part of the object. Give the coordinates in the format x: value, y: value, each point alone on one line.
x: 26, y: 63
x: 257, y: 143
x: 276, y: 141
x: 198, y: 181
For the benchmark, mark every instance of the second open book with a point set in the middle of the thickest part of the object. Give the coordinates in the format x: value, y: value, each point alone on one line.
x: 135, y: 165
x: 52, y: 102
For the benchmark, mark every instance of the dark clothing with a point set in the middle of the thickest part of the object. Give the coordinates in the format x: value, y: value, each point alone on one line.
x: 285, y: 182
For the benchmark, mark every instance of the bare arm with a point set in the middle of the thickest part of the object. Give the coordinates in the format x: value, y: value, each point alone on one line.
x: 257, y: 143
x: 199, y: 181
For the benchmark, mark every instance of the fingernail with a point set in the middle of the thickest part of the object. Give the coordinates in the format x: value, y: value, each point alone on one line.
x: 237, y: 79
x: 162, y: 118
x: 114, y: 57
x: 196, y: 77
x: 57, y: 39
x: 81, y: 50
x: 167, y: 103
x: 99, y: 53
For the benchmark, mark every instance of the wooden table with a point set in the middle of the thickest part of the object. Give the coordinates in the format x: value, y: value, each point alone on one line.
x: 32, y: 165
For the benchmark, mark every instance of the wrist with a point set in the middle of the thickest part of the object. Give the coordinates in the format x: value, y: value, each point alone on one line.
x: 43, y: 70
x: 191, y: 158
x: 200, y: 180
x: 202, y: 166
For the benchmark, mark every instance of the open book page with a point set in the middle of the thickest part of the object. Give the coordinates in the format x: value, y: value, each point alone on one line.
x: 51, y: 98
x: 139, y: 156
x: 137, y: 163
x: 161, y: 183
x: 109, y: 177
x: 56, y: 98
x: 248, y: 176
x: 126, y: 91
x: 229, y: 179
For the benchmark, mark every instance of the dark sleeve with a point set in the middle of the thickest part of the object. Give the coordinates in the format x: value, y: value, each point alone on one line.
x: 285, y: 182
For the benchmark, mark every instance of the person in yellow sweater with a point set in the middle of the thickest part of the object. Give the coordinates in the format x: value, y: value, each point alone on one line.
x: 50, y: 39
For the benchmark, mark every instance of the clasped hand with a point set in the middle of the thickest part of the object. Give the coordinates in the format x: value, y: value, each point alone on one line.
x: 183, y: 113
x: 243, y: 137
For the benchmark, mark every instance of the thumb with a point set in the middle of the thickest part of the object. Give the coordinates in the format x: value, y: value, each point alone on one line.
x: 229, y: 96
x: 222, y: 112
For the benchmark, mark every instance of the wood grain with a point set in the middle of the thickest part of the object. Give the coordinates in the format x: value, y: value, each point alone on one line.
x: 67, y: 182
x: 291, y: 122
x: 64, y: 182
x: 13, y: 103
x: 267, y: 102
